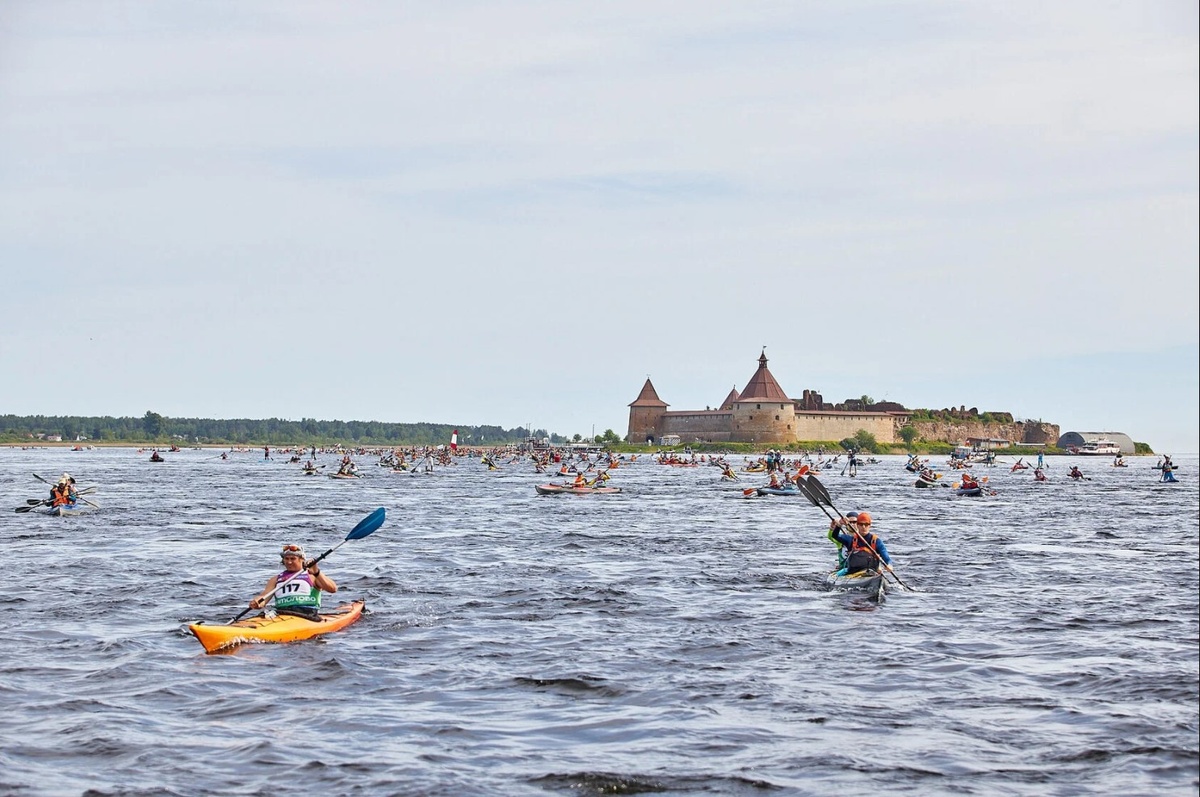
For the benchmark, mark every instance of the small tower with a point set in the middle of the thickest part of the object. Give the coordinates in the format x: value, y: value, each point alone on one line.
x: 645, y: 415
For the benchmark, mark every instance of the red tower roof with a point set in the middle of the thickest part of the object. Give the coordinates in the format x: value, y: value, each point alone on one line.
x: 762, y: 386
x: 648, y: 397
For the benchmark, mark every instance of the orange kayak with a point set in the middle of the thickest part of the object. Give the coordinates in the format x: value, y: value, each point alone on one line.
x: 280, y: 628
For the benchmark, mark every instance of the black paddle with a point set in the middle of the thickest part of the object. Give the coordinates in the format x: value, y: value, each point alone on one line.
x: 819, y: 496
x: 365, y: 527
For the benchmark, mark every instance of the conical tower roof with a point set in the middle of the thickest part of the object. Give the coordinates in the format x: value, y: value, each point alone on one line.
x: 762, y: 386
x: 648, y: 397
x: 727, y: 404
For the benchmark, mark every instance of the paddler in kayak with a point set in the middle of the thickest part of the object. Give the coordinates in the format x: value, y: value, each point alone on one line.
x: 969, y: 482
x: 301, y: 593
x: 1075, y: 472
x: 841, y: 549
x: 63, y: 493
x: 865, y: 548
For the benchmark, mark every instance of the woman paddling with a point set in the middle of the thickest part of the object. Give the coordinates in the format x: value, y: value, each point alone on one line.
x: 300, y: 593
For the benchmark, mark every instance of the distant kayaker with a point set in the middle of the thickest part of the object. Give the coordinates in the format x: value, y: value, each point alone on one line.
x: 968, y: 482
x: 1075, y: 472
x: 63, y: 493
x: 302, y: 586
x: 865, y: 548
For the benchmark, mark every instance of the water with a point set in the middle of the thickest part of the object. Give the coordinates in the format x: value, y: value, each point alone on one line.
x: 674, y: 639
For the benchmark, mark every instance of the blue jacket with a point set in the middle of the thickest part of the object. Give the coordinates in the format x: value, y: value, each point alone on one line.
x: 847, y: 539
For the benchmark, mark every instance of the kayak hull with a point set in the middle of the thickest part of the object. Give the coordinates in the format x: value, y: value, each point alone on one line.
x: 969, y: 491
x: 779, y: 491
x: 570, y: 490
x: 280, y: 628
x: 64, y: 510
x: 868, y: 581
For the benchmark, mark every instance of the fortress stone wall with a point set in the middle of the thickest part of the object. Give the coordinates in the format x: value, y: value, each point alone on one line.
x: 760, y: 413
x: 711, y: 426
x: 840, y: 425
x: 763, y: 413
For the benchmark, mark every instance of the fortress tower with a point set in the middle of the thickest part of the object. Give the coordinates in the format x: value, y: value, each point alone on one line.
x: 645, y: 415
x: 763, y: 413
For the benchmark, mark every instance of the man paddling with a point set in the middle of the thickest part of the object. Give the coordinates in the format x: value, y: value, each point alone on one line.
x: 865, y: 548
x: 300, y: 593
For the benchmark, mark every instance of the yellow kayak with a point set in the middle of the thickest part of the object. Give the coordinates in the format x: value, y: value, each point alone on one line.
x: 280, y: 628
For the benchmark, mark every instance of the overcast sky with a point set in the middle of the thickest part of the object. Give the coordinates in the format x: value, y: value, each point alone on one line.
x: 512, y: 213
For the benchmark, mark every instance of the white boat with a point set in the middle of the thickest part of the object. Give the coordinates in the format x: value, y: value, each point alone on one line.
x: 1100, y: 448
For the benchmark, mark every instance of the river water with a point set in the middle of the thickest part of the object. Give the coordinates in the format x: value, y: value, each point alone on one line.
x: 675, y: 639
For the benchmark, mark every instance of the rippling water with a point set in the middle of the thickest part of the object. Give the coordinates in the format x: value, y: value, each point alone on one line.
x: 674, y: 639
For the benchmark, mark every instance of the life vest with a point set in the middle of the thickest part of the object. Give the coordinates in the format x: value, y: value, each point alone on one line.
x: 297, y: 591
x: 864, y: 541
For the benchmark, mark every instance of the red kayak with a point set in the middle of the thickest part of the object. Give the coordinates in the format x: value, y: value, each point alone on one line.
x: 570, y: 489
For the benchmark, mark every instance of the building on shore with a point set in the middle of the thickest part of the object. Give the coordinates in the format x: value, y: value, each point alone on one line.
x: 762, y: 413
x: 1079, y: 441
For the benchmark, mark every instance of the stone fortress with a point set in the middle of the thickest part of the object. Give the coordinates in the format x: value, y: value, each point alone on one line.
x: 763, y: 413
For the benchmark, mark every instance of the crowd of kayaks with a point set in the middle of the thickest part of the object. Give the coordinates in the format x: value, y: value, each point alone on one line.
x: 589, y: 480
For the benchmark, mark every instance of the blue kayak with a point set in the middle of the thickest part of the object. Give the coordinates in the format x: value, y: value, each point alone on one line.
x: 779, y: 491
x: 969, y: 491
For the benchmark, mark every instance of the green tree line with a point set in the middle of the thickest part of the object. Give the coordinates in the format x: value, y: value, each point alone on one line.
x: 155, y: 428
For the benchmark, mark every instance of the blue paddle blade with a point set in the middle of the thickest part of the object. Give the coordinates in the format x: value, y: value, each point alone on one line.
x: 367, y: 525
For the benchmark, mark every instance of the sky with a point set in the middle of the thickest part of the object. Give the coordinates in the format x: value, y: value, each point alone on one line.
x: 514, y: 213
